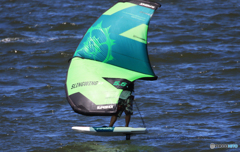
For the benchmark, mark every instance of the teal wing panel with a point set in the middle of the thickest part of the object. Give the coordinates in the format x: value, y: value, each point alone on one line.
x: 119, y: 37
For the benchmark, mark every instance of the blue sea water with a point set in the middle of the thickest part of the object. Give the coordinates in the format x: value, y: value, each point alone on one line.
x: 194, y: 48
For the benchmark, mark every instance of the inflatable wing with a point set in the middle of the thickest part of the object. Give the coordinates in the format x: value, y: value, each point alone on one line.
x: 111, y: 55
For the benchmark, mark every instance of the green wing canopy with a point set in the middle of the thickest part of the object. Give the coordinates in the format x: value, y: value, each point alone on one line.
x: 111, y: 55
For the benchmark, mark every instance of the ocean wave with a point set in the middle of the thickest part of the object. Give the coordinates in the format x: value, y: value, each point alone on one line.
x: 64, y: 26
x: 35, y: 39
x: 182, y: 57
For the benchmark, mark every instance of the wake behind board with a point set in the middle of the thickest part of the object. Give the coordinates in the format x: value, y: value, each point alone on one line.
x: 109, y: 131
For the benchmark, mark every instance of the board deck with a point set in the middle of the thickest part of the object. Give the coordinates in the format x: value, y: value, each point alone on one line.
x: 109, y: 131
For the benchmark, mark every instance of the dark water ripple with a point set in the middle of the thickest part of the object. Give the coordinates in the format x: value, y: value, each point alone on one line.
x: 193, y: 47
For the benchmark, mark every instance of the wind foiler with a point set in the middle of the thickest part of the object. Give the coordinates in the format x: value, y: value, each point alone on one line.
x: 111, y: 55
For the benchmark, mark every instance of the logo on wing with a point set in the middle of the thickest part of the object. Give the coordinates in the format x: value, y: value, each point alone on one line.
x: 147, y: 5
x: 105, y: 107
x: 97, y: 40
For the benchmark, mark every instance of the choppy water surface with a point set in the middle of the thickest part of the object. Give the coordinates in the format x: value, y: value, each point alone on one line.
x: 194, y: 47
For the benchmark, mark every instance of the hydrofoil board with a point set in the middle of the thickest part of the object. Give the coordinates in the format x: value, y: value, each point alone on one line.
x: 109, y: 131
